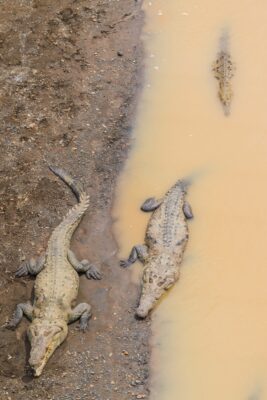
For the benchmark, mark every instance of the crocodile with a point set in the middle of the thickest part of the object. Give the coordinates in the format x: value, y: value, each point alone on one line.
x: 165, y: 242
x: 224, y: 69
x: 56, y: 285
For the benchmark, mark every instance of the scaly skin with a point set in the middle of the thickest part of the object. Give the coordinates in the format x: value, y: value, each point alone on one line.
x: 165, y: 243
x: 223, y: 69
x: 56, y: 286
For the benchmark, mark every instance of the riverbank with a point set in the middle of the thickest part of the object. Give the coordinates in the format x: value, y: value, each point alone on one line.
x: 70, y: 74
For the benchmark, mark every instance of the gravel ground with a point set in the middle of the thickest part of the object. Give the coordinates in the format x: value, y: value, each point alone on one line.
x: 70, y: 73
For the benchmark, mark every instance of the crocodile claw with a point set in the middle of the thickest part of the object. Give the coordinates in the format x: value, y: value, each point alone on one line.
x: 22, y: 270
x: 10, y: 326
x: 93, y: 273
x: 83, y: 325
x: 124, y: 263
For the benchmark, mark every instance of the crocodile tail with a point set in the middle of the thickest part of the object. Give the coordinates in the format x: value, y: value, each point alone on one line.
x: 75, y: 187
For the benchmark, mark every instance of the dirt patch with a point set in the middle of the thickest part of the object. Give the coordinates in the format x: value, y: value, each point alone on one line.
x: 69, y: 74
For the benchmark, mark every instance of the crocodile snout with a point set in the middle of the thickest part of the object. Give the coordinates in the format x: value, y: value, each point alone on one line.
x: 141, y: 312
x: 146, y: 304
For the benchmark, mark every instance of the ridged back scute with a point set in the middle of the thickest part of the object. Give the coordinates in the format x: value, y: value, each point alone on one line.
x: 72, y: 219
x: 66, y: 228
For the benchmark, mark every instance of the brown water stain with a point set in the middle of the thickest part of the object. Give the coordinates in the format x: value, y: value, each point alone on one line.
x: 210, y: 331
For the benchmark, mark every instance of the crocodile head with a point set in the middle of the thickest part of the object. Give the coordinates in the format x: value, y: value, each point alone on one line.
x: 149, y: 300
x: 45, y: 337
x: 145, y: 305
x: 157, y: 278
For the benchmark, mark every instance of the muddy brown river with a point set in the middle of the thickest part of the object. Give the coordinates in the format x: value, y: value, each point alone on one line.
x: 209, y: 332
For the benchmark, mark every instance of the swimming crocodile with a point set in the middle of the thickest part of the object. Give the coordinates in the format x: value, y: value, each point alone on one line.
x: 165, y: 242
x: 223, y: 69
x: 56, y: 286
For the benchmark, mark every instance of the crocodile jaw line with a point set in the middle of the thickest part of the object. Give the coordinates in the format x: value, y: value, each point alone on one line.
x: 44, y: 345
x: 38, y: 363
x: 146, y: 304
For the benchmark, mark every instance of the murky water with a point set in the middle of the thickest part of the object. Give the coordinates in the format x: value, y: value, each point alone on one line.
x: 210, y: 332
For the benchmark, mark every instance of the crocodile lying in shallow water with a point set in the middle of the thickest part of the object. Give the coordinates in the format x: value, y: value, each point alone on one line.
x: 165, y: 242
x: 56, y: 286
x: 223, y: 69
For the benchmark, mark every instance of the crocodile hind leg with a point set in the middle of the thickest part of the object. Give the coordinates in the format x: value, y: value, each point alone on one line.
x: 138, y: 252
x: 82, y: 312
x: 151, y: 204
x: 22, y: 308
x: 90, y: 270
x: 31, y: 267
x: 188, y: 213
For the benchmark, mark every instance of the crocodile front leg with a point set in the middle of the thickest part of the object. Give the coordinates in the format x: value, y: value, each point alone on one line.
x: 138, y: 252
x: 31, y: 267
x: 82, y: 312
x: 22, y: 308
x: 151, y: 204
x: 187, y: 209
x: 84, y: 266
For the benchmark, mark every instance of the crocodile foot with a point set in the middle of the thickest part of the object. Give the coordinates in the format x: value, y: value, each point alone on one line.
x: 85, y: 266
x: 83, y: 312
x: 187, y: 210
x: 125, y: 263
x: 138, y: 252
x: 151, y: 204
x: 22, y: 308
x: 31, y: 267
x: 93, y: 273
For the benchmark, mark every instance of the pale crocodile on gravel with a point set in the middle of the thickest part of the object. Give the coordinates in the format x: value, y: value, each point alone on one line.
x: 56, y: 286
x: 223, y: 69
x: 165, y: 243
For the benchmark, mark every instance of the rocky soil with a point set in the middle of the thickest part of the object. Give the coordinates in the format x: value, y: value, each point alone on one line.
x: 69, y: 72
